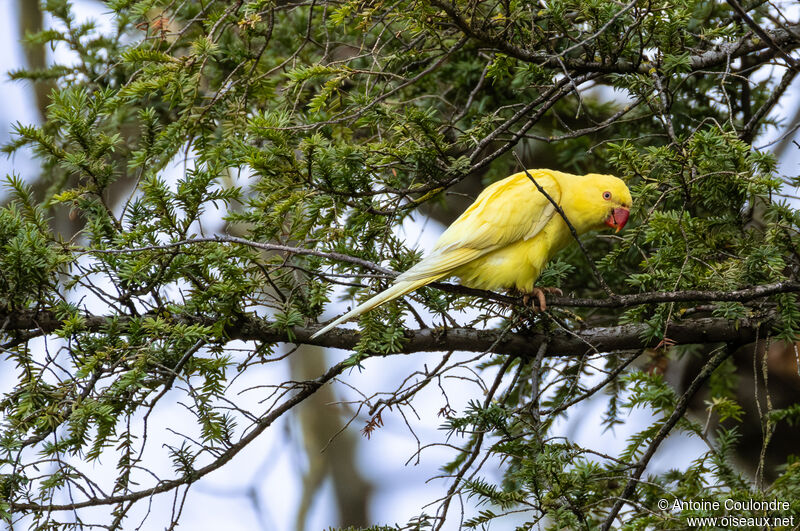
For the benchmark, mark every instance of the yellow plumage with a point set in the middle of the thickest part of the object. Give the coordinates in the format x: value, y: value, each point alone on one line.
x: 505, y: 238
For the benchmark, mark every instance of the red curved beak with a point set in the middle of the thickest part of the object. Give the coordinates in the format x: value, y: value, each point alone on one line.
x: 618, y: 218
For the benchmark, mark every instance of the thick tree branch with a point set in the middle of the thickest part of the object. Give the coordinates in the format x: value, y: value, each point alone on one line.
x: 603, y: 339
x: 515, y: 344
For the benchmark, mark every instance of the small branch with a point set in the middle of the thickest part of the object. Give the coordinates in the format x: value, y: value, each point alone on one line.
x: 720, y: 55
x: 616, y: 301
x: 678, y: 412
x: 748, y: 132
x: 611, y: 376
x: 599, y: 32
x: 656, y: 297
x: 339, y: 257
x: 441, y: 515
x: 305, y: 390
x: 545, y: 103
x: 763, y: 33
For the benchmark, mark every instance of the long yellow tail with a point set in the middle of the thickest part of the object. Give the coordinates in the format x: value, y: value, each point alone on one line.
x: 398, y: 289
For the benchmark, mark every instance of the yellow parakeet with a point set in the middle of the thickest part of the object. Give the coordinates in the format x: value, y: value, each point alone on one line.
x: 505, y: 238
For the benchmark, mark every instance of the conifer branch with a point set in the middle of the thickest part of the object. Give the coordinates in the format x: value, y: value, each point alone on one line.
x: 573, y: 343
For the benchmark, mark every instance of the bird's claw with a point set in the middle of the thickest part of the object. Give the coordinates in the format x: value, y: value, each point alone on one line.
x: 539, y: 294
x: 665, y: 343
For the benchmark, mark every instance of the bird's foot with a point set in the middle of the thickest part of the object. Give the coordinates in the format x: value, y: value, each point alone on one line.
x: 665, y: 343
x: 527, y: 298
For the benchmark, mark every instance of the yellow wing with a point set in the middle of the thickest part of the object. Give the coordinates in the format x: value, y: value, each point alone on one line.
x: 507, y: 211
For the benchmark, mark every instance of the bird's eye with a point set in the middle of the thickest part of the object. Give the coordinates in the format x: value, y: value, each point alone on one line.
x: 606, y: 195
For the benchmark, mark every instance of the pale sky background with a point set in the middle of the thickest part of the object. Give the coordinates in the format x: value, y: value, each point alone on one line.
x: 273, y: 463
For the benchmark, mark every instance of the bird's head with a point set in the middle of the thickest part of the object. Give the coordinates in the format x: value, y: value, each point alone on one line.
x: 604, y: 200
